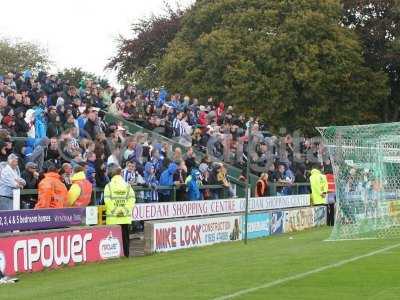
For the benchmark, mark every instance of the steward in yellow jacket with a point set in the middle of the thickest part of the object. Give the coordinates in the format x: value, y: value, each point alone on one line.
x: 80, y: 192
x: 119, y: 199
x: 319, y: 186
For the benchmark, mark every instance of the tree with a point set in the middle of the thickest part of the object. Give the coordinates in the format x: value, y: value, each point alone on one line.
x: 75, y: 75
x: 16, y: 56
x: 289, y: 61
x: 377, y: 23
x: 138, y: 57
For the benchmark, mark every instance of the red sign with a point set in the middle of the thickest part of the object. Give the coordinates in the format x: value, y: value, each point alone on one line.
x: 39, y: 250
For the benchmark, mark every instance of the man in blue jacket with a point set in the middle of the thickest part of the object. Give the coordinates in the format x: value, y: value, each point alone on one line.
x: 167, y: 179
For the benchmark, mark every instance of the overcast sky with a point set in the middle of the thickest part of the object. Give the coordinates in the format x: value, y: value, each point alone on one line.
x: 77, y: 33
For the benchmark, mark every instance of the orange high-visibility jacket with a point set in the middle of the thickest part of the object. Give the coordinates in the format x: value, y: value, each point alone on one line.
x: 52, y: 192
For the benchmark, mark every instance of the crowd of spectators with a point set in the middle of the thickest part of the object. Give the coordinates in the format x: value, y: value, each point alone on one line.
x: 46, y: 123
x: 219, y: 132
x: 46, y: 120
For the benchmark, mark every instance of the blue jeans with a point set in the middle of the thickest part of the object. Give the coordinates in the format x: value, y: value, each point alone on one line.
x: 6, y: 203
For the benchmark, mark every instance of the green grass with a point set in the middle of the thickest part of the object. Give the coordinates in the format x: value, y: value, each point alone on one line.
x: 210, y: 272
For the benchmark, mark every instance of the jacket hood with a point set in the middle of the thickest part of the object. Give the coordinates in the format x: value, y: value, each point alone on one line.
x: 118, y: 185
x: 315, y: 171
x: 78, y: 176
x: 147, y: 168
x: 172, y: 168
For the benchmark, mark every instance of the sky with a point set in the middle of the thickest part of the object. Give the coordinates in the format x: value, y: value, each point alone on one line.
x: 76, y: 33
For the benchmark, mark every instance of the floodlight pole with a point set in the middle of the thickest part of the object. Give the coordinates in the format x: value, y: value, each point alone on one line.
x: 246, y: 215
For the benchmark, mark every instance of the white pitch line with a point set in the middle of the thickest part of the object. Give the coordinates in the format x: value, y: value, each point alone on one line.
x: 305, y: 274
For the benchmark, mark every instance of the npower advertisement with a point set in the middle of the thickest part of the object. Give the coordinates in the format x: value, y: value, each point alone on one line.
x: 36, y: 251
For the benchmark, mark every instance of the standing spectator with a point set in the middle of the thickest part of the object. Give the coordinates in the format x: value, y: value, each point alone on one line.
x: 167, y: 179
x: 52, y: 192
x: 151, y: 182
x: 177, y: 125
x: 131, y: 175
x: 10, y: 179
x: 30, y: 175
x: 262, y: 186
x: 119, y: 199
x: 80, y: 192
x: 66, y: 174
x: 180, y: 179
x: 319, y: 186
x: 193, y: 185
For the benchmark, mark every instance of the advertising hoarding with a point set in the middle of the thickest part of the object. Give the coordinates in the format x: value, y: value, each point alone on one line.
x: 35, y: 251
x: 168, y: 236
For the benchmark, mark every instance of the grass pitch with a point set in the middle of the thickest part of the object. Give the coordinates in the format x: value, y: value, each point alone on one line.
x: 222, y: 270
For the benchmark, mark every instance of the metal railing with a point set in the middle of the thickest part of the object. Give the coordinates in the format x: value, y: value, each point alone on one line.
x: 219, y: 190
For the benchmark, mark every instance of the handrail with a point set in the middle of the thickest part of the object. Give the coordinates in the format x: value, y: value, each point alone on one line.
x: 138, y: 189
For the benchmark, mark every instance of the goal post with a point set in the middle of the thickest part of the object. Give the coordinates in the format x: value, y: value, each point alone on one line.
x: 366, y: 165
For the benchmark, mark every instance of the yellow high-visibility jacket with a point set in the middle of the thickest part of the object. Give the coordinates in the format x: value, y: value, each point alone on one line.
x: 319, y: 186
x: 119, y: 199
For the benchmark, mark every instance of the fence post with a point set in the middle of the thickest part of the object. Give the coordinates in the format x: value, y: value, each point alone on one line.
x: 173, y: 193
x: 16, y: 199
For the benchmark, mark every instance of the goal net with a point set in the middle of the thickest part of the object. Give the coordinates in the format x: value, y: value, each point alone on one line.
x: 366, y: 165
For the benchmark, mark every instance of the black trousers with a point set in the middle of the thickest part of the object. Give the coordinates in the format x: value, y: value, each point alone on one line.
x: 125, y: 238
x: 331, y: 214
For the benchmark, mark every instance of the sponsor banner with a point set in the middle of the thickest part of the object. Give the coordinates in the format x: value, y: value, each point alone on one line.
x: 319, y: 215
x: 298, y: 219
x: 276, y: 222
x: 171, y: 210
x: 32, y: 219
x: 176, y: 235
x: 258, y: 225
x: 40, y: 250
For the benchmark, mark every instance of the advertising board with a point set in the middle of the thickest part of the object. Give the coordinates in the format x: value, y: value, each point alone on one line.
x: 174, y: 235
x: 298, y: 219
x: 32, y: 252
x: 171, y: 210
x: 258, y: 225
x: 33, y: 219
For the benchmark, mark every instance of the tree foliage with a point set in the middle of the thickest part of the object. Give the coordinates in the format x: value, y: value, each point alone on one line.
x: 289, y: 61
x: 16, y: 56
x: 75, y: 75
x: 138, y: 57
x: 377, y: 23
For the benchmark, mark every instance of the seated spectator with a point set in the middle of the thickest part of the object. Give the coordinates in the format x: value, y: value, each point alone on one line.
x: 80, y: 192
x: 52, y: 192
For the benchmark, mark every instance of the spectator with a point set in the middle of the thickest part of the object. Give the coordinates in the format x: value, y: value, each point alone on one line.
x: 193, y: 185
x: 66, y: 174
x: 31, y: 175
x: 262, y: 186
x: 80, y: 192
x: 10, y: 179
x: 167, y: 179
x: 319, y: 186
x: 52, y: 192
x: 151, y: 182
x: 131, y: 175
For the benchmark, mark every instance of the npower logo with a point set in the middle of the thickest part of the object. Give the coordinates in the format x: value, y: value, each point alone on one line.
x: 110, y: 247
x: 58, y: 250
